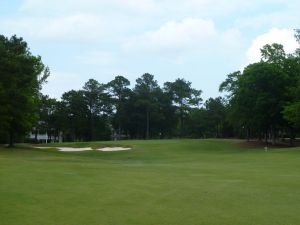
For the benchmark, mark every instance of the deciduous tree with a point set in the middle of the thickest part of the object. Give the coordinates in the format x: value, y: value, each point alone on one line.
x: 21, y: 76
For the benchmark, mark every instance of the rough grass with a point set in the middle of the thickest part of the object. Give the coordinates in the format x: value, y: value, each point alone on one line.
x: 174, y: 182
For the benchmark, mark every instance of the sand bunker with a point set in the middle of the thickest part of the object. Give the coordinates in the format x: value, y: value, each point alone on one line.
x: 106, y: 149
x: 112, y: 149
x: 43, y: 147
x: 69, y: 149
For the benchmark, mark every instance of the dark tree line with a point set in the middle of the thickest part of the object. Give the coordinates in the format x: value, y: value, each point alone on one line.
x: 263, y: 102
x: 100, y: 111
x: 264, y: 98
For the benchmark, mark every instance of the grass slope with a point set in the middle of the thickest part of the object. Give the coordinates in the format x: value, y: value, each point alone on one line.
x: 172, y: 182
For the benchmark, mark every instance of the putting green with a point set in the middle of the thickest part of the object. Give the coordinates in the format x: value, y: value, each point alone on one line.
x: 170, y: 182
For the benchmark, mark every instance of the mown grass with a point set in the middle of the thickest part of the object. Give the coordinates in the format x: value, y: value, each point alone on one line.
x: 169, y: 182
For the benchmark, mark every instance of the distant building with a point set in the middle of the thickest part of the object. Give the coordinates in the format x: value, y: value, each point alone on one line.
x: 43, y: 137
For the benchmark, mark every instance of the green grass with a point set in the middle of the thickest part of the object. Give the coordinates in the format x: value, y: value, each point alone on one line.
x: 172, y: 182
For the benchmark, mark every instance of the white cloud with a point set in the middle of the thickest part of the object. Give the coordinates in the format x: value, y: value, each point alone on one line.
x: 275, y: 35
x: 139, y: 6
x: 174, y: 36
x: 176, y: 41
x: 204, y: 7
x: 78, y: 20
x: 161, y: 8
x: 98, y: 58
x: 212, y: 7
x: 231, y: 39
x: 79, y: 27
x: 275, y: 13
x: 274, y: 19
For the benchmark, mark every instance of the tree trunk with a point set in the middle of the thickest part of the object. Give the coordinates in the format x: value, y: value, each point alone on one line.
x: 259, y: 137
x: 266, y: 137
x: 292, y: 137
x: 91, y: 127
x: 248, y: 134
x: 11, y: 139
x: 35, y: 135
x: 181, y: 123
x: 273, y: 136
x: 119, y: 125
x: 147, y: 125
x: 119, y: 120
x: 50, y: 135
x: 119, y: 131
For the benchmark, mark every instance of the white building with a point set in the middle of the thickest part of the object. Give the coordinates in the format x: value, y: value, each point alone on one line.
x: 44, y: 137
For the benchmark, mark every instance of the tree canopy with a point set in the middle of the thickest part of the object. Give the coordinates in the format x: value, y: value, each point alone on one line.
x: 264, y: 98
x: 21, y: 76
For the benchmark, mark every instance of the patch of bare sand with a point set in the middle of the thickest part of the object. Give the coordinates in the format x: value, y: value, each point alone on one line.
x: 112, y: 149
x: 70, y: 149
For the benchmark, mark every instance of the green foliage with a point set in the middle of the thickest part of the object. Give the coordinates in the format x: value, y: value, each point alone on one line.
x: 261, y: 95
x: 46, y: 117
x: 146, y: 91
x: 230, y: 85
x: 99, y: 104
x: 264, y: 99
x: 21, y: 77
x: 297, y: 35
x: 84, y: 113
x: 210, y: 121
x: 292, y: 113
x: 97, y: 100
x: 183, y: 94
x: 291, y: 109
x: 75, y: 112
x: 273, y: 53
x: 118, y: 89
x: 184, y: 97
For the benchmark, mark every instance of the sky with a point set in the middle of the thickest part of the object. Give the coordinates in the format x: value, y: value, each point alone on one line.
x: 199, y: 40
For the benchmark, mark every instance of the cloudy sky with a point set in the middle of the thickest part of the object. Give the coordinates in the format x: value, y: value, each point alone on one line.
x: 199, y: 40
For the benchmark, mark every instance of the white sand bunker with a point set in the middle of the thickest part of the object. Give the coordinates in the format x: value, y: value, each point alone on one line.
x: 112, y: 149
x: 43, y: 147
x: 106, y: 149
x: 70, y: 149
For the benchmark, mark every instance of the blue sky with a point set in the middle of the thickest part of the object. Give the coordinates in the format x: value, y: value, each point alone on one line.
x: 199, y: 40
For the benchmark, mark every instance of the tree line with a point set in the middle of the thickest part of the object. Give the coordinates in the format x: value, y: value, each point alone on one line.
x: 263, y: 102
x: 264, y: 99
x: 98, y: 111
